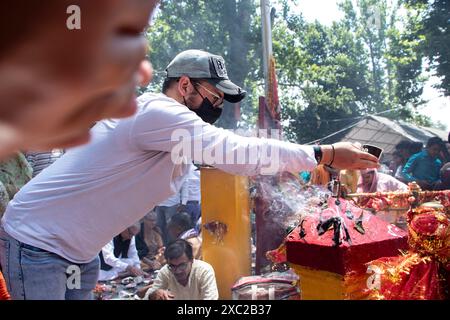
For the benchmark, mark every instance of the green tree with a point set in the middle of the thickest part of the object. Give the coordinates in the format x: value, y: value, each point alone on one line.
x: 322, y: 75
x: 366, y: 63
x: 434, y: 30
x: 391, y: 44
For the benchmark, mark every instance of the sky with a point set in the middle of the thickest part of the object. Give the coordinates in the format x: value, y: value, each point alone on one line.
x: 326, y: 11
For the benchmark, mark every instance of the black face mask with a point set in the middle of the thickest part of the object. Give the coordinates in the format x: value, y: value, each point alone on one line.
x: 206, y: 111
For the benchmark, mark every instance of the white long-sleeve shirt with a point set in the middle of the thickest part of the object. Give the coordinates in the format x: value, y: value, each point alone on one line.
x: 201, y: 284
x: 75, y: 206
x: 119, y: 264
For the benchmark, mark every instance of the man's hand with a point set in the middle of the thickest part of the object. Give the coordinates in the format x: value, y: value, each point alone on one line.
x: 181, y: 208
x: 142, y: 291
x: 161, y: 294
x: 152, y: 263
x: 135, y: 271
x: 347, y: 155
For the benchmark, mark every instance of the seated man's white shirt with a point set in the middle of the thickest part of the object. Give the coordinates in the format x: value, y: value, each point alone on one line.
x: 119, y: 264
x: 93, y: 192
x: 201, y: 284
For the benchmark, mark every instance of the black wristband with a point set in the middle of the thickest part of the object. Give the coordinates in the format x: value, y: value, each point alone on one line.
x: 318, y: 154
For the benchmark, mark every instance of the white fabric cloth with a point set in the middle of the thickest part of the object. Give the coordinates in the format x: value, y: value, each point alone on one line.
x: 75, y: 206
x: 119, y: 264
x: 201, y: 284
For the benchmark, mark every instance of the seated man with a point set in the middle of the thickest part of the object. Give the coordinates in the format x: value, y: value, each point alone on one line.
x: 119, y: 257
x: 183, y: 277
x: 180, y: 226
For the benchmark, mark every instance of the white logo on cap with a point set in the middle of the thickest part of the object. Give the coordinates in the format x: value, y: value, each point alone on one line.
x: 219, y: 65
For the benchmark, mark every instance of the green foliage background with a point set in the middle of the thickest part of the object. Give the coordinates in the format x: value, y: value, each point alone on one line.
x: 371, y: 61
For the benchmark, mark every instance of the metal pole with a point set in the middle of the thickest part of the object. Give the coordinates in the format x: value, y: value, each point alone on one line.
x: 266, y: 40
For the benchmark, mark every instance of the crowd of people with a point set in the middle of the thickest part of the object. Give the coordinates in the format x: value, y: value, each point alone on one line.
x: 119, y: 164
x: 428, y: 166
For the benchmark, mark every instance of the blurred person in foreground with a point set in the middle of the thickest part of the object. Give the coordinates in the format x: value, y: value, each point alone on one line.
x: 56, y: 80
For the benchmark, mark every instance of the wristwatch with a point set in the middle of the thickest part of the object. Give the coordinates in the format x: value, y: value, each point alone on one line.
x: 318, y: 153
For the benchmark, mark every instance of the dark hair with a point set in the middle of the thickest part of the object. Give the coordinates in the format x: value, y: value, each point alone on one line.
x: 403, y: 145
x: 182, y: 220
x: 398, y: 154
x: 176, y: 249
x: 168, y: 82
x: 415, y: 147
x: 435, y: 141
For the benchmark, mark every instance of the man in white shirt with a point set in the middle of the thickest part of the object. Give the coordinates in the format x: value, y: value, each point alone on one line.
x: 120, y: 257
x: 183, y: 277
x: 74, y: 207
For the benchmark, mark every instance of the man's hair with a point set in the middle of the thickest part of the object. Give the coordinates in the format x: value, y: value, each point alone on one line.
x: 168, y: 82
x: 435, y: 141
x: 397, y: 154
x: 403, y: 145
x: 176, y: 249
x: 182, y: 220
x: 415, y: 147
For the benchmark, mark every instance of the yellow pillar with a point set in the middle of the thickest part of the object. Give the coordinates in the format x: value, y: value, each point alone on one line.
x: 225, y: 199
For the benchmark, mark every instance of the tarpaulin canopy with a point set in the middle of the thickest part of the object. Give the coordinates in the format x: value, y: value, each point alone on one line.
x: 385, y: 133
